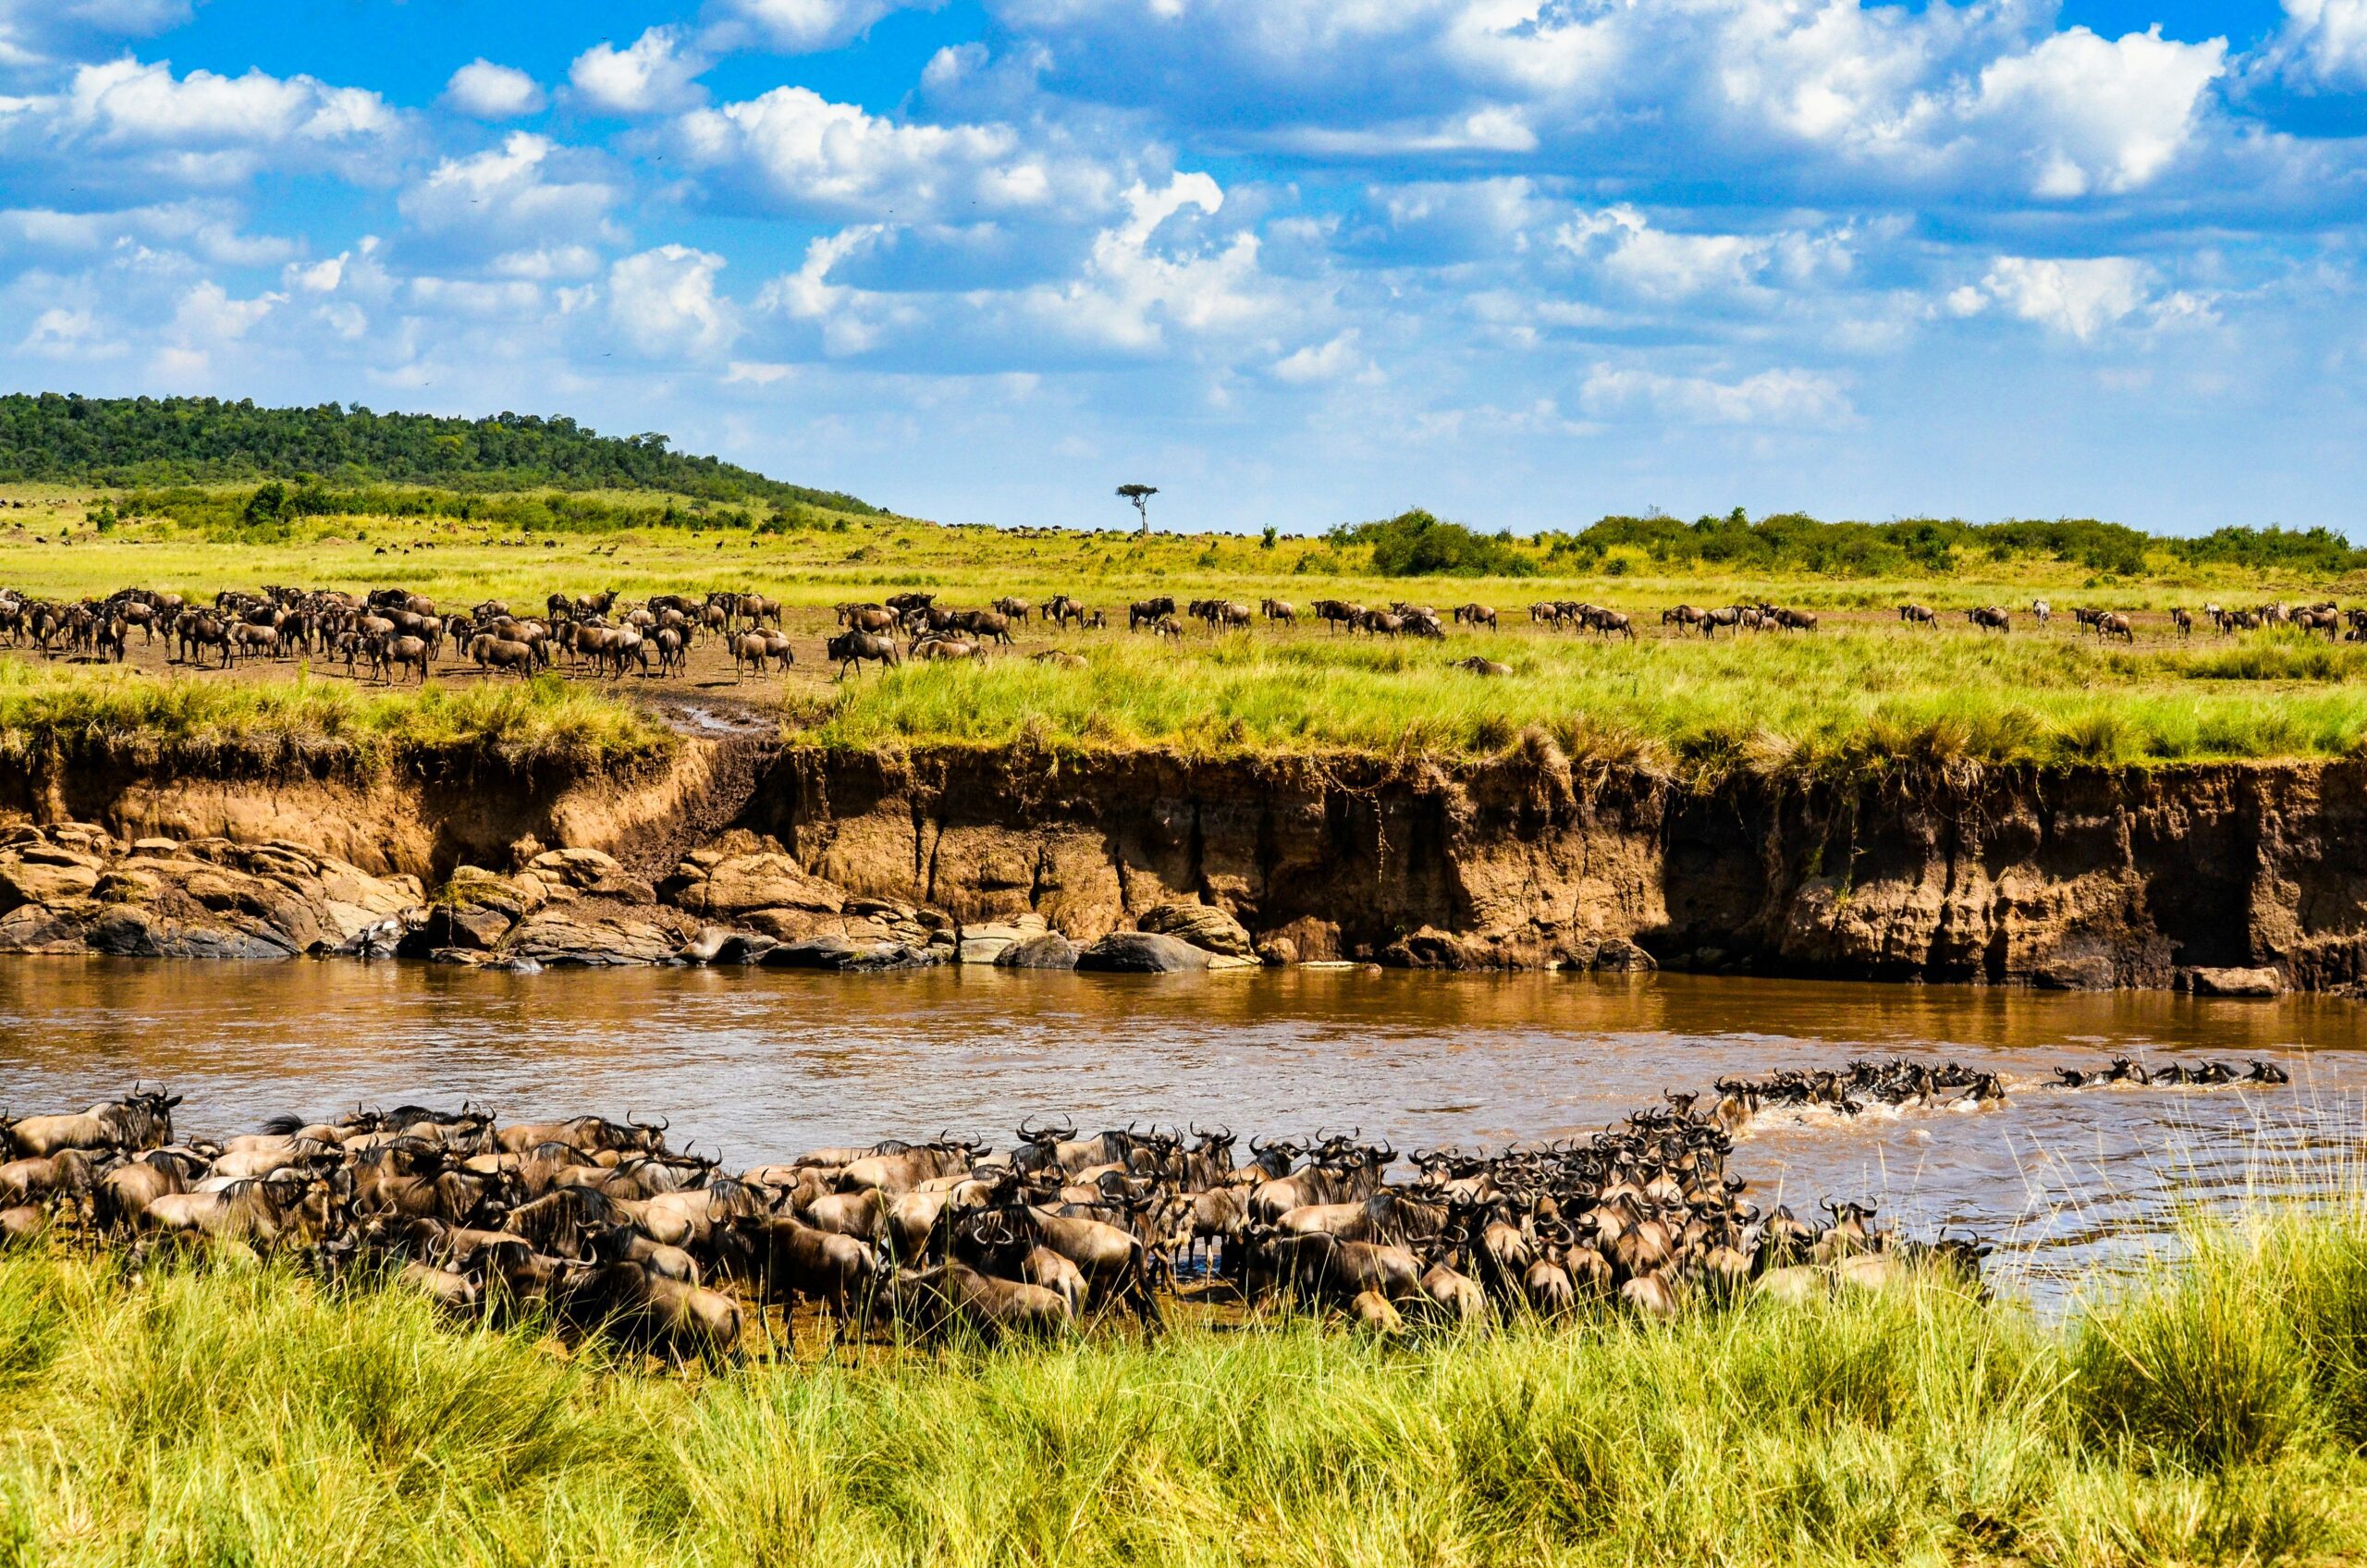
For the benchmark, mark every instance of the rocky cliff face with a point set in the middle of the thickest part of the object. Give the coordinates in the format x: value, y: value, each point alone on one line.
x: 2233, y: 878
x: 2225, y: 877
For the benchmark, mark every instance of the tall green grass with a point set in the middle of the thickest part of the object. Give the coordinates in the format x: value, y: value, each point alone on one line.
x: 244, y: 1415
x: 1848, y: 699
x: 546, y: 720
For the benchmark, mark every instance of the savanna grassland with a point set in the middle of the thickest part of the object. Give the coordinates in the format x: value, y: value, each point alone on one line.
x: 2211, y: 1410
x: 1863, y: 691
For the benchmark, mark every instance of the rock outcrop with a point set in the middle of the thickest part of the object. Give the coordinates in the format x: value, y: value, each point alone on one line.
x: 1142, y: 952
x: 1203, y: 926
x: 2084, y: 877
x: 72, y: 887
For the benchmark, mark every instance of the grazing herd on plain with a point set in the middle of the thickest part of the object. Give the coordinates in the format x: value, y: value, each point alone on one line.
x: 393, y: 634
x: 600, y: 1226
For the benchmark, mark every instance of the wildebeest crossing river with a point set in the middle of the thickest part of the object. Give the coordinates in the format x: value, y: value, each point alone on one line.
x: 754, y: 1063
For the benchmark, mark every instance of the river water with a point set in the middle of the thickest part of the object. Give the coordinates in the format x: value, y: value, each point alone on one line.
x: 760, y: 1063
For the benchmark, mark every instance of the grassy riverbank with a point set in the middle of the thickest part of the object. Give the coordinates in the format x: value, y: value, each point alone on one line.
x: 1847, y: 700
x: 2214, y: 1413
x: 546, y: 722
x: 1864, y: 693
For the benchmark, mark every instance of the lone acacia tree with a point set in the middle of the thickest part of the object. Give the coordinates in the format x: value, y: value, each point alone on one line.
x: 1140, y: 494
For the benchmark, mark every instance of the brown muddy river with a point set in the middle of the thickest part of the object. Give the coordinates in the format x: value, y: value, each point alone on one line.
x: 762, y: 1063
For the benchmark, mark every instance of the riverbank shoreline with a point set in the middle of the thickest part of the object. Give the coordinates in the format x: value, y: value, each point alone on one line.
x: 2230, y: 879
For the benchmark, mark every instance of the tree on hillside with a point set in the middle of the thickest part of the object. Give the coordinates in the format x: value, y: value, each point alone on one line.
x: 1140, y: 494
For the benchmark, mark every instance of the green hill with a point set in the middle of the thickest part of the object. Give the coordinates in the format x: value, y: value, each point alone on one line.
x: 153, y: 441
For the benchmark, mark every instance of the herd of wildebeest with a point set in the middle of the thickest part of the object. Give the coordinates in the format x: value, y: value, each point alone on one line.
x: 599, y: 1226
x: 392, y: 634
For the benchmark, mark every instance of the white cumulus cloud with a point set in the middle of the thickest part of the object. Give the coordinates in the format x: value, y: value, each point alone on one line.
x: 2324, y: 44
x: 663, y: 304
x: 1333, y: 361
x: 514, y: 196
x: 1658, y: 263
x: 490, y: 92
x: 127, y: 121
x: 657, y: 73
x: 2078, y: 298
x: 798, y: 27
x: 1131, y: 290
x: 2100, y: 116
x: 1780, y: 396
x: 807, y: 153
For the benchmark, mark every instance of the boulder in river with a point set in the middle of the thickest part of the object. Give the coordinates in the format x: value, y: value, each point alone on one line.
x: 2207, y: 981
x: 1142, y: 952
x: 584, y: 938
x: 844, y: 955
x: 1050, y: 951
x: 1203, y: 926
x: 725, y: 885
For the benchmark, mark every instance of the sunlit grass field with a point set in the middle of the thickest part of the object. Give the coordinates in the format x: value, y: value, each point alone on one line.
x: 2210, y: 1411
x: 300, y: 720
x: 1844, y: 699
x: 1865, y: 691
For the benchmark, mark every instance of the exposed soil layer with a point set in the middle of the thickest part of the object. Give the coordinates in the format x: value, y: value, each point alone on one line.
x: 2234, y: 878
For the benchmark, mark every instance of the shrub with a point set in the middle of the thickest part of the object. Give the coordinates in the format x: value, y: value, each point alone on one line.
x: 1416, y: 544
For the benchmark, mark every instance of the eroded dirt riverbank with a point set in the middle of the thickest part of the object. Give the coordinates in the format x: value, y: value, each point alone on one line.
x: 2241, y: 878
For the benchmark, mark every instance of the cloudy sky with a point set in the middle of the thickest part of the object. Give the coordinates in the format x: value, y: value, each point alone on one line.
x: 1523, y: 261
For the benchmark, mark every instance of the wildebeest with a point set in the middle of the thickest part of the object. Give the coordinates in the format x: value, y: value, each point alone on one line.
x: 492, y: 653
x: 1337, y: 613
x: 260, y: 1213
x: 602, y: 1226
x: 680, y: 1321
x: 849, y: 649
x: 953, y: 1297
x: 792, y: 1259
x: 142, y: 1119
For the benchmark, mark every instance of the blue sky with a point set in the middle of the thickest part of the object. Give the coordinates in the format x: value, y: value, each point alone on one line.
x: 1294, y: 262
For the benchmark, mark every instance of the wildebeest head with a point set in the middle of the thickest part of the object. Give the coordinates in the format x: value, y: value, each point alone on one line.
x: 646, y: 1136
x: 1039, y: 1146
x: 1850, y: 1218
x: 146, y: 1118
x: 1275, y: 1158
